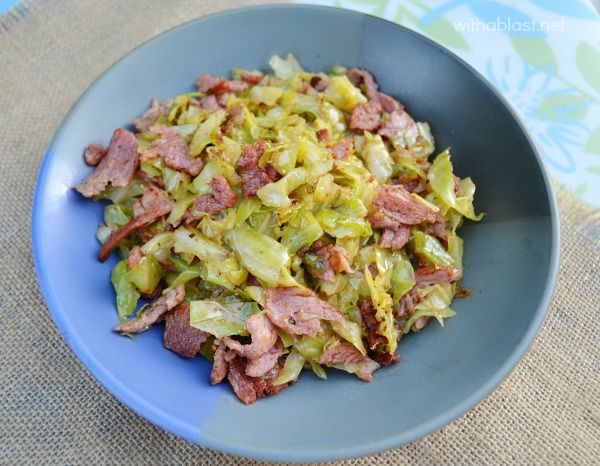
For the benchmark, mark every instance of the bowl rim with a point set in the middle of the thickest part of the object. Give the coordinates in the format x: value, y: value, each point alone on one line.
x: 180, y: 429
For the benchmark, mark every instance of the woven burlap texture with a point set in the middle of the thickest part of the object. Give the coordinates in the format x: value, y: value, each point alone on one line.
x: 53, y: 412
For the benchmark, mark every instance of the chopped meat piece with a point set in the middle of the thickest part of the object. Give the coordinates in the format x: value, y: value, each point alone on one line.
x: 384, y: 359
x: 153, y: 199
x: 249, y: 389
x: 209, y: 102
x: 318, y: 265
x: 221, y: 197
x: 407, y: 304
x: 395, y: 206
x: 206, y: 82
x: 421, y: 322
x: 272, y: 173
x: 135, y: 256
x: 339, y: 258
x: 299, y: 311
x: 220, y: 365
x: 263, y: 334
x: 439, y: 229
x: 430, y: 275
x: 117, y: 167
x: 395, y: 238
x: 180, y: 336
x: 242, y: 384
x: 213, y: 85
x: 150, y: 116
x: 250, y: 77
x: 252, y: 280
x: 397, y: 121
x: 323, y: 134
x: 150, y: 180
x: 264, y: 385
x: 347, y: 357
x: 261, y: 365
x: 332, y: 258
x: 252, y: 180
x: 173, y: 149
x: 251, y: 155
x: 371, y: 325
x: 152, y: 312
x: 231, y: 86
x: 319, y: 83
x: 253, y: 177
x: 223, y: 98
x: 388, y: 103
x: 342, y: 149
x: 94, y: 154
x: 235, y: 118
x: 365, y: 117
x: 357, y: 76
x: 412, y: 185
x: 153, y: 204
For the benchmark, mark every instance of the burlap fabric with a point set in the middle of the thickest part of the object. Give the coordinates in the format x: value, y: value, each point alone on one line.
x: 53, y: 412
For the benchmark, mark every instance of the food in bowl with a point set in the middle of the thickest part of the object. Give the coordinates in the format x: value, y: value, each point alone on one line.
x: 282, y: 221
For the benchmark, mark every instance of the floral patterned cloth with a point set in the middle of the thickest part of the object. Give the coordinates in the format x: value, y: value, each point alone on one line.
x: 543, y: 55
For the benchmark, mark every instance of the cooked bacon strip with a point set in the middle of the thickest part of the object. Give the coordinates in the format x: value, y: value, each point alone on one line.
x: 221, y: 197
x: 94, y: 154
x: 342, y: 149
x: 265, y: 362
x: 346, y: 355
x: 149, y: 179
x: 407, y: 304
x: 152, y: 312
x: 212, y: 85
x: 388, y: 103
x: 365, y: 117
x: 220, y: 365
x: 384, y: 359
x: 135, y: 256
x: 153, y: 204
x: 173, y: 149
x: 397, y: 121
x: 322, y: 134
x: 339, y: 258
x: 394, y: 206
x: 371, y: 326
x: 299, y: 311
x: 253, y: 177
x: 263, y: 334
x: 251, y: 78
x: 180, y: 336
x: 357, y: 76
x: 421, y: 322
x: 242, y: 385
x: 332, y: 259
x: 430, y: 275
x: 319, y: 84
x: 395, y: 238
x: 249, y: 389
x: 117, y: 167
x: 153, y: 113
x: 209, y: 102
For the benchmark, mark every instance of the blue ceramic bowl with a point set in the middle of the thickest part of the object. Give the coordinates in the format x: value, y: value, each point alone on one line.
x: 510, y: 259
